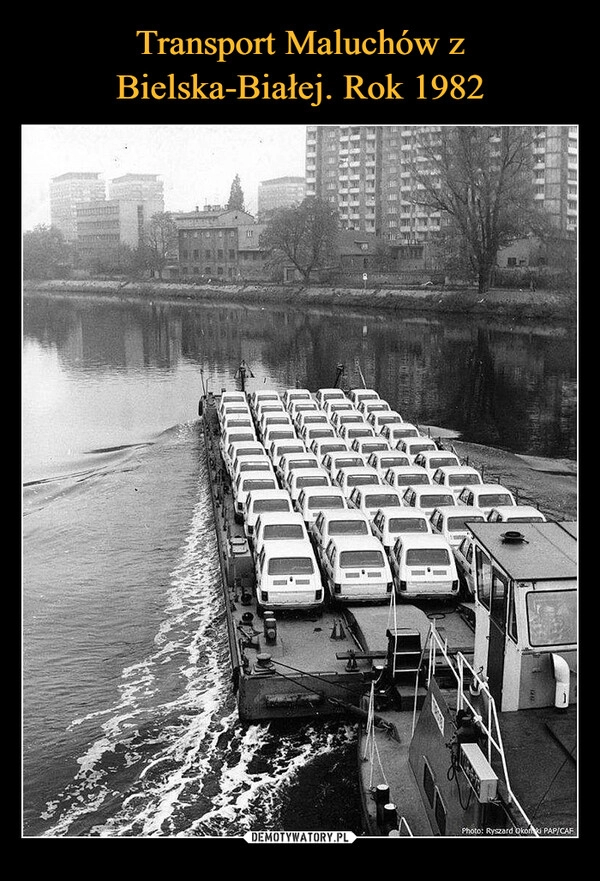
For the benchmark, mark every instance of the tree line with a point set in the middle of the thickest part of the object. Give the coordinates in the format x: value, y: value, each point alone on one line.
x: 477, y: 179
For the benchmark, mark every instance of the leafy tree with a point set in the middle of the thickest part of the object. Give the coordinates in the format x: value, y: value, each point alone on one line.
x: 236, y: 195
x: 160, y: 242
x: 305, y: 235
x: 480, y: 179
x: 46, y: 254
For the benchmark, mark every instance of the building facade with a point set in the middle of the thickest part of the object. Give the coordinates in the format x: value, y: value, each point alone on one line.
x: 219, y: 243
x: 366, y: 173
x: 279, y: 192
x: 142, y: 189
x: 67, y: 191
x: 104, y: 227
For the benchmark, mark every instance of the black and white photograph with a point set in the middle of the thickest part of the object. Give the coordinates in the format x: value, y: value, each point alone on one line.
x: 299, y: 407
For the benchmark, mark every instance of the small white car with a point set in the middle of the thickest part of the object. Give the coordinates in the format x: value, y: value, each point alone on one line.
x: 412, y: 446
x: 431, y: 460
x: 323, y: 445
x: 292, y: 395
x: 363, y: 394
x: 299, y: 478
x: 402, y: 476
x: 381, y: 460
x: 395, y: 432
x: 278, y: 527
x: 290, y: 461
x: 330, y: 524
x: 287, y: 577
x: 247, y: 482
x: 351, y: 430
x: 455, y: 477
x: 423, y: 567
x: 450, y: 521
x: 427, y: 497
x: 333, y: 462
x: 363, y: 475
x: 329, y: 394
x: 356, y: 570
x: 390, y: 523
x: 273, y: 501
x: 367, y: 445
x: 370, y: 499
x: 516, y: 514
x: 313, y: 499
x: 486, y: 496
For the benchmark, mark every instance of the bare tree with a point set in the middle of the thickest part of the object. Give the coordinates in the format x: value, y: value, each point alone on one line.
x: 159, y: 243
x: 480, y: 179
x: 305, y: 235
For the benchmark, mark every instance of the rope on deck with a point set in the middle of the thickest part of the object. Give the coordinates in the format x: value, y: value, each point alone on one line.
x: 371, y: 744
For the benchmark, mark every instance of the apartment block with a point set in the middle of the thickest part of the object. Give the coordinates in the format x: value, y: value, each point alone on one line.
x: 279, y: 192
x: 104, y: 226
x: 67, y: 191
x: 366, y: 173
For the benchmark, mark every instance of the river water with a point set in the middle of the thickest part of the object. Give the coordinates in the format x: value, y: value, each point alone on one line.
x: 129, y: 724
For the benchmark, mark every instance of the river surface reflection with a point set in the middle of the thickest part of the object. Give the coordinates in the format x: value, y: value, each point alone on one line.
x: 100, y: 374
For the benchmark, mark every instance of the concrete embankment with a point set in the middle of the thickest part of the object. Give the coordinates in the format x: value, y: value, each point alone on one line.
x: 521, y: 303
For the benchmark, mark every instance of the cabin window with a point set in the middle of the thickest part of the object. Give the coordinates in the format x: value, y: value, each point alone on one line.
x: 512, y: 615
x: 484, y: 577
x: 552, y: 617
x: 499, y: 588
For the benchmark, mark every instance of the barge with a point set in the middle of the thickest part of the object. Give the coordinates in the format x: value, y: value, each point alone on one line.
x: 467, y: 719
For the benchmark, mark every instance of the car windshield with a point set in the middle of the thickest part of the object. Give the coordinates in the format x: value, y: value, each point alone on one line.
x: 280, y: 435
x: 458, y: 523
x: 320, y: 432
x: 362, y: 479
x: 494, y: 500
x: 381, y: 500
x: 389, y: 462
x: 283, y: 531
x: 348, y: 463
x: 315, y: 480
x: 419, y: 448
x: 331, y: 448
x: 404, y: 432
x: 348, y: 527
x: 359, y: 432
x: 434, y: 462
x: 290, y: 566
x: 236, y: 438
x: 408, y: 524
x: 372, y: 446
x: 255, y: 466
x: 410, y: 479
x: 552, y: 617
x: 302, y: 463
x: 427, y: 557
x: 349, y: 418
x: 271, y: 505
x: 316, y: 502
x: 531, y: 519
x: 427, y: 501
x: 254, y: 483
x: 312, y: 419
x: 349, y: 559
x: 462, y: 479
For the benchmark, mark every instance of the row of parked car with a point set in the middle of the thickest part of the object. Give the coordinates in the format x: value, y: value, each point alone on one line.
x: 338, y: 493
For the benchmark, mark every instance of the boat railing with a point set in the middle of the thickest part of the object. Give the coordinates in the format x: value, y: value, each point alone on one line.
x: 490, y: 725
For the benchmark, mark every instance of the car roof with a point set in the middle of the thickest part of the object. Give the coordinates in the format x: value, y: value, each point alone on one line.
x: 489, y: 487
x: 269, y: 517
x: 424, y: 540
x: 403, y: 512
x: 345, y: 514
x: 428, y: 489
x: 459, y: 511
x: 518, y: 509
x: 269, y: 494
x: 359, y: 469
x: 356, y: 542
x: 458, y: 469
x: 293, y: 548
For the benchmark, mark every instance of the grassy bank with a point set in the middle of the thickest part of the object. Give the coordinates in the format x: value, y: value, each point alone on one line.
x: 514, y: 303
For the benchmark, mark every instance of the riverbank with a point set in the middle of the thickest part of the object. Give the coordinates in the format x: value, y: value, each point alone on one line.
x: 506, y: 302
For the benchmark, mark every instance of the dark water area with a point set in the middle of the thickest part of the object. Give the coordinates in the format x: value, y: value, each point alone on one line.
x: 129, y: 722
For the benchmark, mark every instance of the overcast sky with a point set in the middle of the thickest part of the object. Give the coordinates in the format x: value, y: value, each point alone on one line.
x: 197, y: 163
